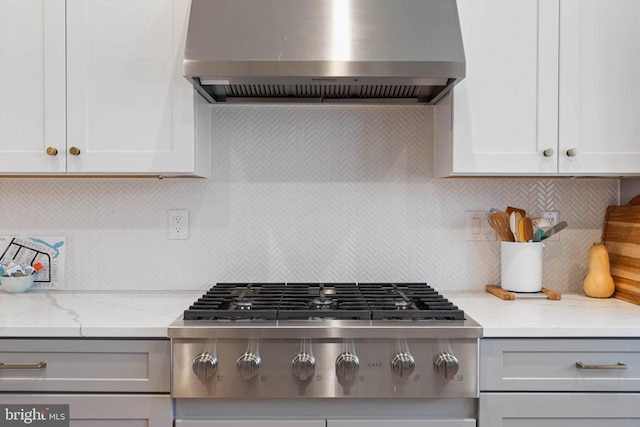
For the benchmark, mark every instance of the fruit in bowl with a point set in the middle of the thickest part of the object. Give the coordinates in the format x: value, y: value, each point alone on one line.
x: 16, y: 284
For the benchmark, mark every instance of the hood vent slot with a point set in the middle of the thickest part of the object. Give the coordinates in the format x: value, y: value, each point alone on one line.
x: 318, y: 91
x: 242, y: 93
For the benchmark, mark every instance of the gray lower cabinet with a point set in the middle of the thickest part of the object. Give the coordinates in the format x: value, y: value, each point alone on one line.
x: 251, y: 423
x: 327, y: 423
x: 559, y: 410
x: 105, y: 382
x: 96, y: 410
x: 402, y: 423
x: 566, y: 382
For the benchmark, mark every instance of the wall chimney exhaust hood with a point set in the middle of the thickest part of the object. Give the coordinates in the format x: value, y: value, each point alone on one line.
x: 340, y: 51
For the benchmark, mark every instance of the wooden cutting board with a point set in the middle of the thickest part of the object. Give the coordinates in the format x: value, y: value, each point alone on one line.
x: 621, y: 236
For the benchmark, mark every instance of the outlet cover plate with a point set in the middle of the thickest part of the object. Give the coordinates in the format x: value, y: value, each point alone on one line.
x: 178, y: 220
x: 552, y: 217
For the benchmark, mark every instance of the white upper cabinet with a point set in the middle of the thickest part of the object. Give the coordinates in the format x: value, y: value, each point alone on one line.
x: 599, y: 87
x: 32, y: 85
x: 129, y: 110
x: 550, y: 90
x: 505, y: 113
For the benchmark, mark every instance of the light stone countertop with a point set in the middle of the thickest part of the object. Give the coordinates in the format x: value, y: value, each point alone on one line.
x: 92, y: 314
x: 147, y: 314
x: 574, y: 315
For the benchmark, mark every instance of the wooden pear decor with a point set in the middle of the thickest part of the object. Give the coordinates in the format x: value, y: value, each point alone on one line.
x: 599, y: 283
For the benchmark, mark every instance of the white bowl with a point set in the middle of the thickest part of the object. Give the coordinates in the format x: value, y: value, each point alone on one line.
x: 16, y: 285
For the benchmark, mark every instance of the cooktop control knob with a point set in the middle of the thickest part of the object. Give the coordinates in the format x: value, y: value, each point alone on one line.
x: 347, y: 365
x: 402, y: 365
x: 446, y: 365
x: 204, y: 365
x: 248, y: 365
x: 303, y: 366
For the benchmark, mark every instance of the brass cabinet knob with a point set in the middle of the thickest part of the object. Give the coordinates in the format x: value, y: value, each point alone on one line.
x: 74, y: 151
x: 52, y: 151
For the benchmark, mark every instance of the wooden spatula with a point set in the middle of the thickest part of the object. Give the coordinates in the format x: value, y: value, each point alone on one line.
x: 520, y: 211
x: 500, y: 223
x: 527, y: 229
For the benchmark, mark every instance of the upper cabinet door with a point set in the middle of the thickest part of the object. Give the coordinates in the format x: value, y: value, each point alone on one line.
x: 505, y: 110
x: 130, y: 110
x: 599, y: 90
x: 32, y: 86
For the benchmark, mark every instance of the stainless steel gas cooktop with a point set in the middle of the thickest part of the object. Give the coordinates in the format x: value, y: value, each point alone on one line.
x: 253, y: 340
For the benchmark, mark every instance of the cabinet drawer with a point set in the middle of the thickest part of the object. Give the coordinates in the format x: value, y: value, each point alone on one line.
x: 403, y: 423
x: 250, y: 423
x: 99, y: 410
x: 559, y: 410
x: 84, y: 365
x: 551, y: 364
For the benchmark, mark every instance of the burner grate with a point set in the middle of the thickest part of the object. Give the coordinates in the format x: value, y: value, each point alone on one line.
x: 325, y: 300
x: 237, y: 301
x: 363, y: 301
x: 419, y: 301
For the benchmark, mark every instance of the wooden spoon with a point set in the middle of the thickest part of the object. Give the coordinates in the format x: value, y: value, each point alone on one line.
x: 521, y: 231
x: 527, y: 229
x: 514, y: 221
x: 500, y: 223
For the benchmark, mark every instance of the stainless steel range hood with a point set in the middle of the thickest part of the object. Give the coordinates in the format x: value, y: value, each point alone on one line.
x: 366, y: 51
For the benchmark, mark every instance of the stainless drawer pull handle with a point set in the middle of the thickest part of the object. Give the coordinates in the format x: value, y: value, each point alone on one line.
x: 619, y: 365
x: 40, y: 365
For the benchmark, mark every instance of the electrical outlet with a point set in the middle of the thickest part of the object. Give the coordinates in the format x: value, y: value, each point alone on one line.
x: 552, y: 217
x: 178, y: 224
x: 478, y: 227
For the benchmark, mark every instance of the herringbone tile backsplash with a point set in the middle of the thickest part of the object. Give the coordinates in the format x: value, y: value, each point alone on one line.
x: 301, y: 193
